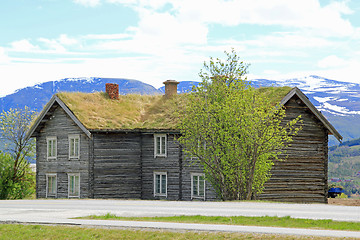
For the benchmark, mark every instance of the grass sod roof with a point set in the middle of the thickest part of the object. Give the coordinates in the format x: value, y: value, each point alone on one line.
x: 96, y: 111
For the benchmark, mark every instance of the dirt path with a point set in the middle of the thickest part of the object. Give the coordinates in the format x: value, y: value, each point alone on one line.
x: 344, y: 202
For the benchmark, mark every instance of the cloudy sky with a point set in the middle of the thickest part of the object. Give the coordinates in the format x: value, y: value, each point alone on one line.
x: 155, y: 40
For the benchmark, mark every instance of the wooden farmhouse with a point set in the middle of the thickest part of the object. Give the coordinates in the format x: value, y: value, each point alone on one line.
x: 102, y: 145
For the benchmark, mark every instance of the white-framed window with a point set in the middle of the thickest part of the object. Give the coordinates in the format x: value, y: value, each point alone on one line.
x: 160, y: 145
x: 74, y: 146
x: 160, y: 184
x: 197, y: 185
x: 51, y: 144
x: 51, y: 185
x: 73, y: 185
x: 201, y: 149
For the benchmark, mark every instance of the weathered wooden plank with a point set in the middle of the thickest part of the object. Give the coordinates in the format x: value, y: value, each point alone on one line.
x: 61, y: 126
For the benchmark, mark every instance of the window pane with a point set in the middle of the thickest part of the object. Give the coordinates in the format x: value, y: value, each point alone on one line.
x: 71, y: 147
x: 162, y: 145
x: 49, y: 148
x: 195, y: 185
x: 77, y: 185
x: 53, y: 148
x: 76, y: 147
x: 157, y: 184
x: 51, y: 184
x: 72, y: 185
x: 201, y: 186
x: 163, y: 184
x: 158, y: 149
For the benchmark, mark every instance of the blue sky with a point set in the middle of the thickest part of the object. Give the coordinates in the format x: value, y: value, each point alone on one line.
x: 156, y: 40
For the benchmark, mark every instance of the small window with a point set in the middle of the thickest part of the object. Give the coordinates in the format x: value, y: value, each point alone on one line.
x: 74, y: 146
x: 197, y: 185
x: 201, y: 149
x: 74, y: 185
x: 160, y: 184
x: 160, y: 145
x: 51, y: 147
x: 51, y: 185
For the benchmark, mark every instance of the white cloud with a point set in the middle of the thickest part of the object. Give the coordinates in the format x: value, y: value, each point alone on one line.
x: 331, y: 62
x: 3, y: 56
x: 300, y: 14
x: 88, y: 3
x: 107, y: 36
x: 65, y: 40
x: 53, y: 45
x: 288, y: 40
x: 23, y: 46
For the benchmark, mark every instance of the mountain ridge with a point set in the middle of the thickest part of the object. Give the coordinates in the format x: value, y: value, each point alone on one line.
x: 338, y: 101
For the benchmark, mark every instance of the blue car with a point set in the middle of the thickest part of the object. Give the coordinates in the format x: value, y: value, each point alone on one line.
x: 333, y: 192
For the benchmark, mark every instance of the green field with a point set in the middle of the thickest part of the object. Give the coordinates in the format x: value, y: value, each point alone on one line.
x: 247, y: 221
x: 40, y: 232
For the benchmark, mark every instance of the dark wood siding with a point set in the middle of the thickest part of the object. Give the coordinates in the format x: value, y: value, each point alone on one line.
x: 60, y: 126
x: 189, y: 167
x: 117, y: 165
x: 169, y: 164
x: 122, y: 165
x: 302, y: 177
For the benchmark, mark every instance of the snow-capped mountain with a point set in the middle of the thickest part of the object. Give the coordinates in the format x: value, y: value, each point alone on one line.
x: 329, y: 96
x: 35, y: 97
x: 338, y: 101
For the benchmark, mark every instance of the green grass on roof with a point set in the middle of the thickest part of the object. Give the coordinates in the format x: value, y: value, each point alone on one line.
x: 132, y: 111
x: 96, y: 111
x: 275, y: 94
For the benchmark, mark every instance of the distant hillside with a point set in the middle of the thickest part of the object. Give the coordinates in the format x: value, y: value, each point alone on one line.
x: 344, y: 166
x: 37, y: 96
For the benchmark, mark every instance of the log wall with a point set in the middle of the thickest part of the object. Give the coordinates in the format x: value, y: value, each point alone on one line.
x: 171, y: 164
x: 116, y: 165
x: 302, y: 177
x: 61, y: 126
x: 190, y: 166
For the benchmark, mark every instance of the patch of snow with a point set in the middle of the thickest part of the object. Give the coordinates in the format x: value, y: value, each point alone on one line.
x: 322, y: 110
x: 338, y: 109
x: 324, y: 99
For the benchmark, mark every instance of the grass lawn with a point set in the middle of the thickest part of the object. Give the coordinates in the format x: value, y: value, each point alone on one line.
x: 247, y: 221
x: 39, y: 232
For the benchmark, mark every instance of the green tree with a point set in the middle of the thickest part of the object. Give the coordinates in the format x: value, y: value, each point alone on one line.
x: 233, y: 130
x: 15, y: 174
x: 10, y: 189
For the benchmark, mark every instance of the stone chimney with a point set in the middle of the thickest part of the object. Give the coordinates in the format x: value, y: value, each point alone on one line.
x: 112, y: 89
x: 170, y: 88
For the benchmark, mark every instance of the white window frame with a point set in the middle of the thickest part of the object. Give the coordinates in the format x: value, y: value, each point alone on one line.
x: 161, y: 174
x: 48, y: 175
x: 71, y: 137
x: 162, y: 145
x: 70, y: 175
x: 54, y: 145
x: 197, y: 196
x: 198, y: 148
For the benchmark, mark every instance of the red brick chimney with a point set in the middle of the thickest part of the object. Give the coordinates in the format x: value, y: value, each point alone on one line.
x: 112, y: 89
x: 170, y: 88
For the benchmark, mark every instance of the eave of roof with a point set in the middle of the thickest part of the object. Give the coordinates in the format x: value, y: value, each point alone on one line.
x: 319, y: 115
x: 53, y: 100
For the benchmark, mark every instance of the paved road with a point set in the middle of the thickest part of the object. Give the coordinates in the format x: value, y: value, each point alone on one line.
x: 59, y: 211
